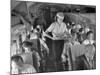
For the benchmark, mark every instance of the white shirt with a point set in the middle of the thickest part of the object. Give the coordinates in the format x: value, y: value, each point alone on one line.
x: 57, y: 29
x: 86, y: 42
x: 33, y: 36
x: 27, y: 69
x: 23, y: 37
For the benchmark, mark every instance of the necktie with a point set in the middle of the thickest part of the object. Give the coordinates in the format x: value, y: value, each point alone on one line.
x: 91, y: 63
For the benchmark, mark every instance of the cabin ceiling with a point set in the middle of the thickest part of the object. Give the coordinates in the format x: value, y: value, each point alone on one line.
x: 41, y: 10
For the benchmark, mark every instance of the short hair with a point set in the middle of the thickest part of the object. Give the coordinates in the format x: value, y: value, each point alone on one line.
x: 72, y: 24
x: 81, y: 29
x: 31, y: 31
x: 16, y: 58
x: 14, y: 41
x: 73, y: 31
x: 89, y: 32
x: 27, y: 44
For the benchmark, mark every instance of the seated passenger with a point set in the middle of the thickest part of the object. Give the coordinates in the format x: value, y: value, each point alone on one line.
x: 86, y: 61
x: 80, y: 35
x: 77, y: 27
x: 32, y: 53
x: 86, y: 29
x: 44, y: 46
x: 90, y: 38
x: 74, y: 39
x: 19, y: 67
x: 67, y: 45
x: 33, y: 34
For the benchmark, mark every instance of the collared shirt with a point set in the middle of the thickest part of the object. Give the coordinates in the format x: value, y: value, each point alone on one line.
x: 86, y: 42
x: 23, y: 37
x: 67, y: 45
x: 27, y: 68
x: 33, y: 36
x: 57, y: 29
x: 75, y: 43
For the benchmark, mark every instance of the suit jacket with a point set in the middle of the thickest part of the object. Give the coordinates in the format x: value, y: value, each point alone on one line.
x: 81, y: 63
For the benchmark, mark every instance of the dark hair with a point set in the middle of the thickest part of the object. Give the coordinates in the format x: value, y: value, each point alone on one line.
x: 72, y: 25
x: 73, y: 31
x: 27, y: 44
x: 14, y: 41
x: 31, y: 31
x: 16, y: 58
x: 89, y: 32
x: 81, y: 29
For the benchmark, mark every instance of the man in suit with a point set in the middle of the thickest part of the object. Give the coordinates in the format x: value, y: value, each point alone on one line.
x: 86, y: 61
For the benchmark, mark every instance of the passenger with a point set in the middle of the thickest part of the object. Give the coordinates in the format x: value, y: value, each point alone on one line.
x: 27, y: 46
x: 67, y: 45
x: 73, y: 25
x: 74, y: 39
x: 41, y: 39
x: 19, y: 67
x: 90, y: 38
x: 33, y: 34
x: 77, y: 27
x: 36, y: 32
x: 80, y: 35
x: 31, y: 55
x: 70, y: 27
x: 86, y: 61
x: 86, y: 29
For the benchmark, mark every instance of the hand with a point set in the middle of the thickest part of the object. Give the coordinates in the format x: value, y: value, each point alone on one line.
x: 43, y: 38
x: 38, y: 63
x: 44, y: 34
x: 63, y: 58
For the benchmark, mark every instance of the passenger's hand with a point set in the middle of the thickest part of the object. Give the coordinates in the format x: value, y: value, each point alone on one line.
x: 38, y: 63
x: 63, y: 57
x: 44, y: 34
x: 43, y: 38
